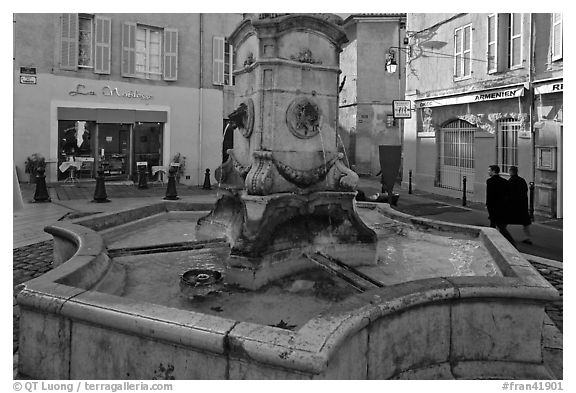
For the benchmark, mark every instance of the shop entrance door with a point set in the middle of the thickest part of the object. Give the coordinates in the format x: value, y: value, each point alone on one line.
x: 114, y: 150
x: 147, y: 146
x: 457, y: 156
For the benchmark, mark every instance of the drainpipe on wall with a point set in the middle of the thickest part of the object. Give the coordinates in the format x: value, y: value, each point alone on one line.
x: 200, y: 107
x: 531, y: 96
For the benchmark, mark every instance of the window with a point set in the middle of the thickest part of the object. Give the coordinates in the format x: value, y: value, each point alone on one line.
x: 223, y: 62
x: 462, y: 52
x: 492, y: 43
x: 149, y: 53
x: 85, y: 43
x: 85, y: 39
x: 557, y: 37
x: 507, y: 143
x: 515, y: 41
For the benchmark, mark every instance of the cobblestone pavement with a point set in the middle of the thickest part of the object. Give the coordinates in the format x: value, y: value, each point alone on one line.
x: 34, y: 260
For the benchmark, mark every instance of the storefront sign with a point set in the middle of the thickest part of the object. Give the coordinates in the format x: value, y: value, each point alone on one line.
x: 401, y: 109
x: 500, y: 94
x: 28, y: 79
x: 114, y: 91
x: 28, y: 70
x: 109, y: 91
x: 557, y: 87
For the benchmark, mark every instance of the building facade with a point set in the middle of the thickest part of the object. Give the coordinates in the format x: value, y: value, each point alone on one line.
x: 479, y: 85
x: 367, y: 90
x: 115, y: 90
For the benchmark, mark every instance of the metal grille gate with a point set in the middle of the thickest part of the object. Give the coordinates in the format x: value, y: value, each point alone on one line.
x: 457, y: 156
x: 507, y: 143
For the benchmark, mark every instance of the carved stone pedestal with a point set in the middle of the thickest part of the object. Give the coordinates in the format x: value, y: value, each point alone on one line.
x: 268, y: 234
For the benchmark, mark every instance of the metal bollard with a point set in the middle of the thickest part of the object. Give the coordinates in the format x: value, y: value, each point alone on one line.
x: 532, y: 201
x: 100, y: 195
x: 410, y: 181
x: 142, y: 177
x: 463, y: 190
x: 171, y: 194
x: 41, y: 192
x: 207, y: 185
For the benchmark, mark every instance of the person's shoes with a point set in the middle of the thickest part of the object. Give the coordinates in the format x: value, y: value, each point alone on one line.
x: 527, y: 241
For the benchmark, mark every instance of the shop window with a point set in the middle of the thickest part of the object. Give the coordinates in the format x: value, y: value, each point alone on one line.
x: 462, y: 52
x: 85, y: 43
x: 507, y: 143
x: 148, y: 52
x: 75, y: 141
x: 223, y: 62
x: 557, y: 37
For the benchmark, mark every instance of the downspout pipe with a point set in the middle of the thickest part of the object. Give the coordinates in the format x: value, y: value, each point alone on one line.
x: 200, y: 98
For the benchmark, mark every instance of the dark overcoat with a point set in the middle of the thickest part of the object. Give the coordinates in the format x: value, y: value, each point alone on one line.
x: 497, y: 199
x: 518, y: 201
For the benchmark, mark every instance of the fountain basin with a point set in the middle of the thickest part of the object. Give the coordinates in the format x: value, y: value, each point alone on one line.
x: 444, y: 327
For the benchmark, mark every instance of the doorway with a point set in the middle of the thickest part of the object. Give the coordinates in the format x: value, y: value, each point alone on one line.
x: 114, y: 150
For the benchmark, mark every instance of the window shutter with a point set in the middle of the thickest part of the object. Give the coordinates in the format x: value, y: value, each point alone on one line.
x: 218, y: 60
x: 69, y: 42
x: 129, y: 49
x: 557, y: 37
x: 102, y: 49
x: 170, y: 54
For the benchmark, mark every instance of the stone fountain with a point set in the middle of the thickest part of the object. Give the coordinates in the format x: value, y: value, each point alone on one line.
x: 286, y: 277
x: 287, y: 187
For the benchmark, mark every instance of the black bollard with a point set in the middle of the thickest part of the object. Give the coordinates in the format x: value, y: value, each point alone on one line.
x: 100, y: 190
x: 142, y: 177
x: 41, y: 192
x: 171, y: 193
x: 410, y: 181
x: 207, y: 185
x: 463, y: 190
x: 532, y: 201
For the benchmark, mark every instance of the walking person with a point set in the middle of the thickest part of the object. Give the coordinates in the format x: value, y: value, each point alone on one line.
x: 497, y: 202
x: 519, y: 214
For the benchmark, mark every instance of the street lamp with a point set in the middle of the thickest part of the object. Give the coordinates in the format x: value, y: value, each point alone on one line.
x: 391, y: 63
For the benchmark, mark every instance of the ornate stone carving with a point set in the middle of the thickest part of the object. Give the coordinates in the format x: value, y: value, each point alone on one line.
x: 231, y: 173
x: 243, y: 117
x: 303, y: 178
x: 489, y: 122
x: 259, y: 179
x: 303, y: 118
x: 305, y: 56
x: 249, y: 60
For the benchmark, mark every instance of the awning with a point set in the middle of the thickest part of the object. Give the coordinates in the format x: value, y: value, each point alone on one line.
x: 489, y: 95
x: 556, y: 87
x: 102, y: 115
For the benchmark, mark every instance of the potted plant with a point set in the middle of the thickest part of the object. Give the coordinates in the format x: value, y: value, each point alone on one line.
x: 32, y: 164
x: 179, y: 159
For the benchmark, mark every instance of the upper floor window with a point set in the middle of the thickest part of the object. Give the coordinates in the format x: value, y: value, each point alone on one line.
x: 85, y: 42
x: 504, y: 46
x: 222, y: 62
x: 515, y: 40
x: 85, y: 39
x: 557, y: 37
x: 148, y: 52
x: 492, y: 43
x: 462, y: 52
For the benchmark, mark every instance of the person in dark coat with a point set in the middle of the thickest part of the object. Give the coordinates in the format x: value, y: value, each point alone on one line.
x: 519, y: 214
x: 497, y: 202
